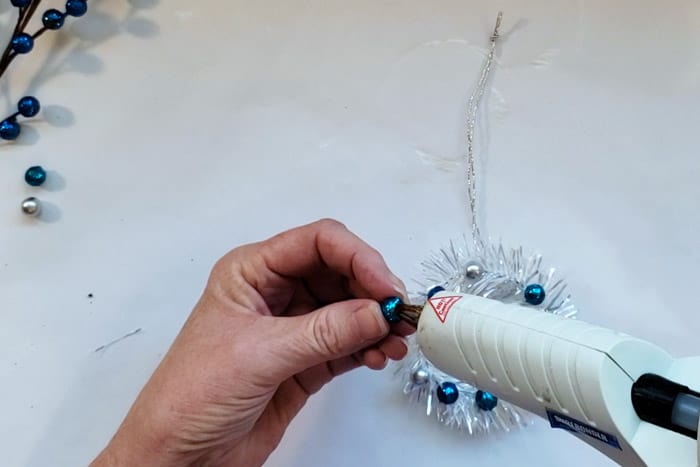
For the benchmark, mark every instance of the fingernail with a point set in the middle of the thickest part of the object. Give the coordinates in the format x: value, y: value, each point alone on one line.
x: 399, y: 288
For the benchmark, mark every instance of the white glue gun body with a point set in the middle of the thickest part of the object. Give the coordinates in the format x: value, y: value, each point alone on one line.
x: 613, y: 391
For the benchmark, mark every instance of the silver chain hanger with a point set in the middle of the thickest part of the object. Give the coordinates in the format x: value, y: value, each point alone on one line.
x: 472, y: 114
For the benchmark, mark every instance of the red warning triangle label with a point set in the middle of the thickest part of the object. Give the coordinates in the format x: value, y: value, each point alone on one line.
x: 443, y: 305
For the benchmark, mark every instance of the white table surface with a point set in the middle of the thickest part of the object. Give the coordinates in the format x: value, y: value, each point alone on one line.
x: 176, y: 130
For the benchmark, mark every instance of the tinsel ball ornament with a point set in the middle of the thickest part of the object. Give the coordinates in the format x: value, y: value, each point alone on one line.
x: 505, y: 274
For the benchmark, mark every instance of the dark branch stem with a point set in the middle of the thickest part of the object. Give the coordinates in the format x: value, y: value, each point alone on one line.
x: 23, y: 18
x: 39, y: 33
x: 30, y: 12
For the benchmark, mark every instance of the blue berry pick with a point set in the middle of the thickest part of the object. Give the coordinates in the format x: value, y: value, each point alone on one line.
x: 35, y: 176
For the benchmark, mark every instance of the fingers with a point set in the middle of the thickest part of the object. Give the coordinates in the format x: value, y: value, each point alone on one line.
x: 329, y: 333
x: 375, y: 358
x: 391, y: 348
x: 394, y: 347
x: 327, y: 244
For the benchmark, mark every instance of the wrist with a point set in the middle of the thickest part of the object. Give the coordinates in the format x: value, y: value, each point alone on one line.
x: 128, y: 448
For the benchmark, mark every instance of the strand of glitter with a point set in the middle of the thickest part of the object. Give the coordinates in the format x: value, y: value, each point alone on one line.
x: 104, y: 347
x: 472, y: 114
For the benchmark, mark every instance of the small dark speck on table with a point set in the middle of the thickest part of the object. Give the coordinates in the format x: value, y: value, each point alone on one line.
x: 90, y: 295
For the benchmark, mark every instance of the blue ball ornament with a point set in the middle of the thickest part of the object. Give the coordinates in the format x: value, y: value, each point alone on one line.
x: 35, y: 176
x: 22, y: 43
x: 20, y: 3
x: 9, y: 129
x: 485, y: 400
x: 76, y: 7
x: 534, y: 294
x: 447, y: 393
x: 28, y: 106
x: 390, y: 309
x: 435, y: 290
x: 53, y: 19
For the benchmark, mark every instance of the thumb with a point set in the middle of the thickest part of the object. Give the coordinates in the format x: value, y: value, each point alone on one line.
x: 329, y: 333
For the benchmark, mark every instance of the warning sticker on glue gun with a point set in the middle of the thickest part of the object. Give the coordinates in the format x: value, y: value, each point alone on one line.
x: 443, y: 305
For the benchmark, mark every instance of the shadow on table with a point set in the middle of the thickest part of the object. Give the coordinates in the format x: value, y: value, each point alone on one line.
x: 68, y: 55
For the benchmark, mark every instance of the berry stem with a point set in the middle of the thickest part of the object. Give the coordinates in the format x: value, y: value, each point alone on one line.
x: 23, y: 18
x: 30, y: 12
x: 39, y: 33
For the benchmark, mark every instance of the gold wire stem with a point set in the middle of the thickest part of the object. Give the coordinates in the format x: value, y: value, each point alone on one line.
x: 410, y: 313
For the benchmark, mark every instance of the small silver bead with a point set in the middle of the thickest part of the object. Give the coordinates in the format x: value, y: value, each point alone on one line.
x: 31, y: 206
x: 420, y: 376
x: 474, y: 270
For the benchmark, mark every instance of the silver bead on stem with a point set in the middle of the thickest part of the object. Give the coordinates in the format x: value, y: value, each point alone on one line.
x: 31, y: 206
x: 473, y: 271
x: 420, y: 376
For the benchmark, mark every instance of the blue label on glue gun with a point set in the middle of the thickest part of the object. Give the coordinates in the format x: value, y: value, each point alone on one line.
x: 558, y: 420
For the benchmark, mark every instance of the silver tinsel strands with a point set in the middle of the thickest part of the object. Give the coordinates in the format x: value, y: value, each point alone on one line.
x: 505, y: 275
x: 463, y: 414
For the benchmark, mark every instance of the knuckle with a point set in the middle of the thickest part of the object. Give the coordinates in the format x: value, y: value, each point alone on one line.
x: 327, y: 337
x: 330, y: 224
x: 221, y: 268
x: 374, y: 254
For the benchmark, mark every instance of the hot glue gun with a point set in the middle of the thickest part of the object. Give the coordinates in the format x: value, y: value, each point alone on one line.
x: 625, y: 397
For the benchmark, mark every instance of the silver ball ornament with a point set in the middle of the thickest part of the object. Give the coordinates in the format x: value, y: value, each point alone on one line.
x: 473, y: 271
x: 31, y: 206
x: 420, y: 376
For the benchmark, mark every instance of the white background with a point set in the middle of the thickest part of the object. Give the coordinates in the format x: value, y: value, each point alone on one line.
x: 176, y: 130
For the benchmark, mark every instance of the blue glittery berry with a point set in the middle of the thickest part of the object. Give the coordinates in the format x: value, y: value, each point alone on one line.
x: 485, y: 400
x: 22, y: 43
x: 28, y: 106
x: 76, y: 7
x: 35, y: 176
x: 20, y: 3
x: 435, y: 290
x: 53, y: 19
x: 9, y: 129
x: 447, y: 393
x: 534, y: 294
x: 390, y: 309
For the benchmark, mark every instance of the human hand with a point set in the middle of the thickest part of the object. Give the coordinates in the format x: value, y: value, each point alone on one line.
x: 278, y: 320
